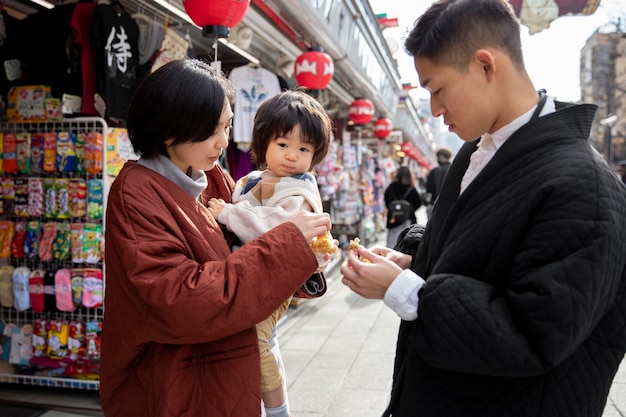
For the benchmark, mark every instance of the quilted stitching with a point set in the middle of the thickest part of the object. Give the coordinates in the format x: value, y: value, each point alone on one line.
x: 524, y: 309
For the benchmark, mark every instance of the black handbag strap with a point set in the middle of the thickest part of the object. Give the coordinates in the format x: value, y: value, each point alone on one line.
x: 406, y: 194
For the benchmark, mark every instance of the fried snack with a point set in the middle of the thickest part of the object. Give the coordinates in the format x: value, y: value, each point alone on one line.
x: 324, y: 244
x: 354, y: 245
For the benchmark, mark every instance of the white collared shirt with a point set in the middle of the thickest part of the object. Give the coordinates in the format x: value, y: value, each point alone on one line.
x: 402, y: 295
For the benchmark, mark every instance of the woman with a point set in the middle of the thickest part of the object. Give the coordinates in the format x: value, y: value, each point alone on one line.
x: 401, y: 188
x: 178, y: 335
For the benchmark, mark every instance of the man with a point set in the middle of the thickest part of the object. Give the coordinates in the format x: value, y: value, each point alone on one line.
x: 515, y: 302
x: 436, y: 176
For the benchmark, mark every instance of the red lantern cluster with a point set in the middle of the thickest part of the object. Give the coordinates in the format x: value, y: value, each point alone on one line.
x: 410, y: 150
x: 314, y: 69
x: 382, y: 128
x: 416, y: 155
x: 216, y: 17
x: 361, y: 111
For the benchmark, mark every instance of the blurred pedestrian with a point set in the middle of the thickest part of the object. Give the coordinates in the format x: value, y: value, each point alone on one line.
x: 515, y: 302
x: 179, y: 336
x: 401, y: 201
x: 435, y: 177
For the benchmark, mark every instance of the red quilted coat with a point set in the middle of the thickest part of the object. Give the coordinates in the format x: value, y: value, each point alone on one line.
x: 178, y: 336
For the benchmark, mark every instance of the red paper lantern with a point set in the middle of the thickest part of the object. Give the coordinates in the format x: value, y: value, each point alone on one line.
x: 216, y: 17
x: 405, y: 146
x: 361, y: 111
x: 423, y: 162
x: 314, y: 69
x: 413, y: 154
x: 382, y: 128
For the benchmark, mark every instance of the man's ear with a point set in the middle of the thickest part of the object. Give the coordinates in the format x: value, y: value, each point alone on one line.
x: 486, y: 61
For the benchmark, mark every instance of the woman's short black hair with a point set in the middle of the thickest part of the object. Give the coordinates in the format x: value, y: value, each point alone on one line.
x: 182, y: 100
x: 278, y: 116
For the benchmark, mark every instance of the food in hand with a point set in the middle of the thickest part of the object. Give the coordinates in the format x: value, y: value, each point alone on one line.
x: 354, y: 245
x: 324, y: 244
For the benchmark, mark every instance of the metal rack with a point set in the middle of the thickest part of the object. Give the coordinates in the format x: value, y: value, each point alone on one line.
x: 81, y: 313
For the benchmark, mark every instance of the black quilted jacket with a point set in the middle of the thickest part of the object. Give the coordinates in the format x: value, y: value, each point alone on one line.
x: 524, y: 308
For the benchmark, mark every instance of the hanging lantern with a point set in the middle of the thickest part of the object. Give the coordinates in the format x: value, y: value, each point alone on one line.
x: 382, y: 128
x: 314, y: 69
x: 216, y: 17
x: 406, y: 147
x: 361, y: 111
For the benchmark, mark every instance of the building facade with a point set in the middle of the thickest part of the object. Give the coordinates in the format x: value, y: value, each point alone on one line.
x: 603, y: 82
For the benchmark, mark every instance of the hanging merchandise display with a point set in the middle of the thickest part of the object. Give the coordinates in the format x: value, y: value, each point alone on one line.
x: 174, y: 46
x: 314, y: 69
x: 115, y: 39
x: 361, y: 111
x: 54, y: 188
x: 216, y: 17
x: 253, y: 85
x: 382, y: 128
x: 51, y: 273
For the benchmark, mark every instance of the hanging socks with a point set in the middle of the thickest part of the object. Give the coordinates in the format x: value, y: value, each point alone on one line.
x: 21, y: 290
x: 6, y: 285
x: 36, y: 290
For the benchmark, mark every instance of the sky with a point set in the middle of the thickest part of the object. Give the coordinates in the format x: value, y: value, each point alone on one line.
x: 552, y: 56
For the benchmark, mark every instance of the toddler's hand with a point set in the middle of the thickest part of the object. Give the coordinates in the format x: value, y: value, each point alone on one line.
x: 215, y: 207
x: 323, y: 259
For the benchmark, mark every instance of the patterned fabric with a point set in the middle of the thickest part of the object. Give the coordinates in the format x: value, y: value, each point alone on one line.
x: 263, y: 201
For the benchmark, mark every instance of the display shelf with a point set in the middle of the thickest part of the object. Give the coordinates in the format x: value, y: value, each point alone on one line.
x: 84, y: 364
x: 46, y: 381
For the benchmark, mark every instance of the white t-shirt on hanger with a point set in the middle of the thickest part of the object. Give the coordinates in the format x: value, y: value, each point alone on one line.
x: 253, y: 85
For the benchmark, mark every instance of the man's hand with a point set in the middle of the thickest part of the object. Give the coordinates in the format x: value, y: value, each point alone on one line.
x: 398, y: 258
x: 369, y: 279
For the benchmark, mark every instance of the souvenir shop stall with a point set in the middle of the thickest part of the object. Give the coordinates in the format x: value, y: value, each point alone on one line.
x: 59, y: 154
x: 358, y: 203
x: 54, y: 177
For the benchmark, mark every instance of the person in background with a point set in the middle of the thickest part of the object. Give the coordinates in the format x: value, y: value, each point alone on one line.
x: 620, y: 170
x: 515, y: 301
x: 290, y: 136
x: 435, y: 177
x: 401, y: 188
x: 178, y: 335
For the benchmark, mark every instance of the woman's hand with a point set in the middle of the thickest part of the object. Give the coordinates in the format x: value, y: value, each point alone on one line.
x: 312, y: 224
x: 369, y: 279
